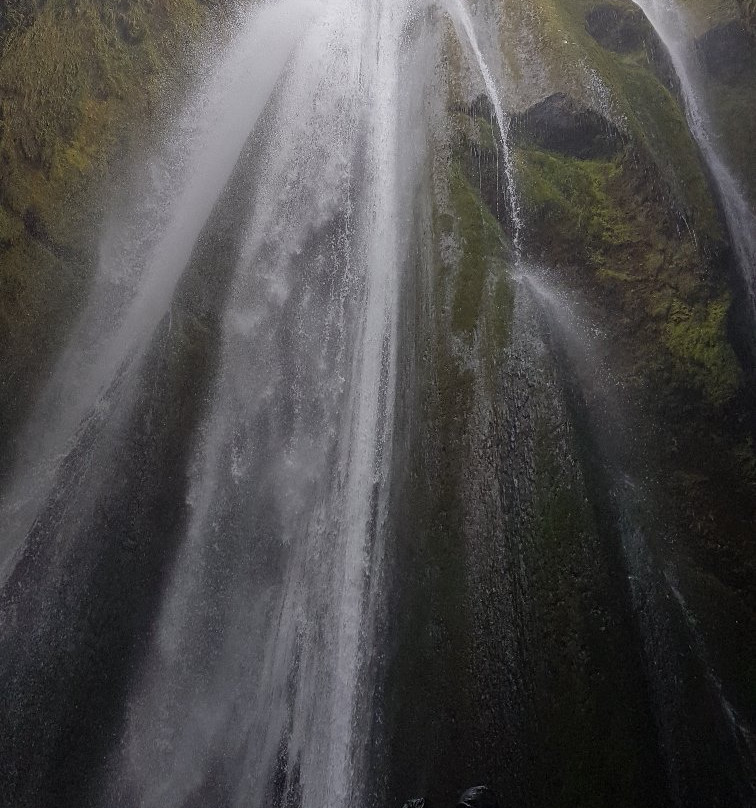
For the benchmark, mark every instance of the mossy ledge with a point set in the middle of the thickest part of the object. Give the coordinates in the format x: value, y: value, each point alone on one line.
x: 79, y: 87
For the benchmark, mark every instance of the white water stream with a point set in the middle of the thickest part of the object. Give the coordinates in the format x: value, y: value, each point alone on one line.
x: 258, y: 672
x: 143, y: 258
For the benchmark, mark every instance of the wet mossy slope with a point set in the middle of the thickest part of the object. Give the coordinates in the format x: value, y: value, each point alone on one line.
x: 80, y: 83
x: 514, y: 635
x: 536, y: 464
x: 636, y: 231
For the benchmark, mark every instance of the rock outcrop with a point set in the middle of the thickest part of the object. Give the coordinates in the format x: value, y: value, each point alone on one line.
x: 560, y: 124
x: 621, y: 29
x: 728, y: 52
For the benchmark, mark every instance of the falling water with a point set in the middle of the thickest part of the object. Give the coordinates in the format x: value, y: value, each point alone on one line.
x: 142, y: 260
x: 292, y: 465
x: 254, y: 681
x: 670, y: 24
x: 461, y: 14
x: 253, y: 685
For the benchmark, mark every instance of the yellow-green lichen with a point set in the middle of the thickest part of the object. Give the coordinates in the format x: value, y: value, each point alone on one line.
x: 79, y: 85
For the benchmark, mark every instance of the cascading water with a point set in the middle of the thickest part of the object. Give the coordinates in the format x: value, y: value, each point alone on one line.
x: 671, y: 25
x: 256, y: 669
x: 459, y: 12
x: 351, y: 438
x: 292, y: 467
x: 142, y: 261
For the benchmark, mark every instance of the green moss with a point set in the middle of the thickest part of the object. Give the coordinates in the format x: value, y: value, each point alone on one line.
x: 70, y: 82
x: 652, y: 117
x: 696, y: 337
x: 668, y: 139
x: 482, y: 251
x: 598, y: 218
x: 471, y: 132
x: 569, y: 199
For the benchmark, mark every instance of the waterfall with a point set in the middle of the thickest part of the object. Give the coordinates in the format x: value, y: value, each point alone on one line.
x: 669, y: 22
x: 142, y: 260
x: 255, y: 683
x: 309, y: 226
x: 288, y: 500
x: 289, y: 496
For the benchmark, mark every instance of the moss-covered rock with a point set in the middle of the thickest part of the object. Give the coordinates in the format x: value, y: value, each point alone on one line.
x: 696, y: 336
x: 649, y: 254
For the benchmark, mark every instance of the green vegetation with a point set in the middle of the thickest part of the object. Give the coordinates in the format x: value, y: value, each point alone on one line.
x: 623, y: 247
x: 640, y: 237
x: 482, y: 252
x: 569, y: 199
x: 696, y: 337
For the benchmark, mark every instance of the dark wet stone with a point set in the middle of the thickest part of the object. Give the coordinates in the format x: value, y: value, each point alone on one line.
x: 727, y: 52
x: 622, y: 30
x: 478, y: 797
x: 560, y: 124
x: 625, y: 29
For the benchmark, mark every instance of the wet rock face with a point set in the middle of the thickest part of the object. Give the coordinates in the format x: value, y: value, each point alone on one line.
x: 624, y: 29
x: 727, y: 52
x: 560, y: 124
x: 621, y: 30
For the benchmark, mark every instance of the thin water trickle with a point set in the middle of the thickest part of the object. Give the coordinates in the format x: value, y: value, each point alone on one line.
x: 670, y: 23
x: 460, y: 13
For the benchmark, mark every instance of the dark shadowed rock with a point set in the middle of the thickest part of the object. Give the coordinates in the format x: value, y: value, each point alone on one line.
x: 418, y: 802
x: 560, y: 124
x: 616, y: 28
x: 478, y: 797
x: 625, y: 29
x: 727, y: 52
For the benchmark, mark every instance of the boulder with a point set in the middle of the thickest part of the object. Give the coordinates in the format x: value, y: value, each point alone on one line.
x: 617, y: 28
x: 727, y: 52
x: 561, y: 124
